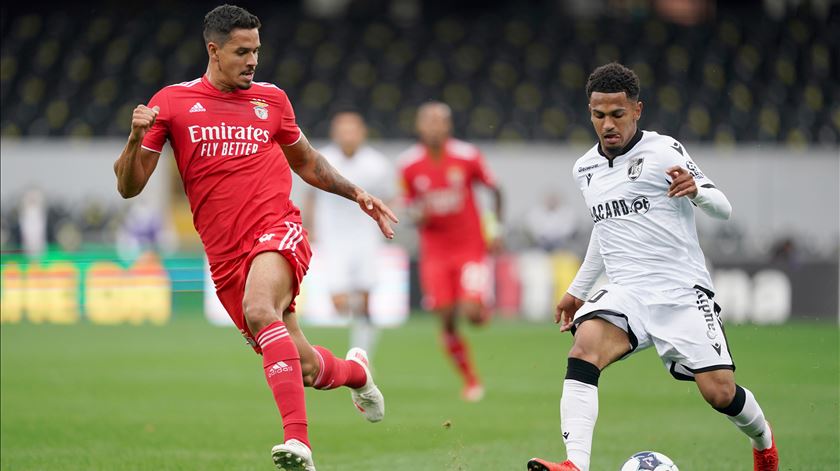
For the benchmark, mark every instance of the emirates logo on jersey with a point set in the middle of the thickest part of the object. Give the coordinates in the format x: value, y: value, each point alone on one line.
x: 260, y: 109
x: 225, y: 132
x: 444, y: 201
x: 225, y: 140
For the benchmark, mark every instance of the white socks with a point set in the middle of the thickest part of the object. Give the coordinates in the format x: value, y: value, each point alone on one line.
x: 363, y: 334
x: 578, y: 413
x: 751, y: 421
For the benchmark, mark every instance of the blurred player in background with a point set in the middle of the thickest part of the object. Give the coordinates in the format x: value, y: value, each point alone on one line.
x: 348, y: 243
x: 235, y: 141
x: 33, y: 222
x: 143, y: 229
x: 552, y: 224
x: 641, y: 188
x: 438, y: 176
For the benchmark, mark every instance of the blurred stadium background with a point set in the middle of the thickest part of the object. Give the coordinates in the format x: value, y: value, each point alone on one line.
x: 752, y: 88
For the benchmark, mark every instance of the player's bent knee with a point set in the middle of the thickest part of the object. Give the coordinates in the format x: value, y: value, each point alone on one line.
x: 717, y: 387
x: 733, y: 405
x: 309, y: 370
x: 447, y: 319
x: 258, y: 315
x: 478, y: 317
x: 586, y: 354
x: 600, y: 343
x: 720, y: 396
x: 469, y: 309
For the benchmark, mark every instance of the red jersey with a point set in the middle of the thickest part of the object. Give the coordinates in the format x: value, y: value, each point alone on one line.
x: 443, y: 188
x: 227, y: 146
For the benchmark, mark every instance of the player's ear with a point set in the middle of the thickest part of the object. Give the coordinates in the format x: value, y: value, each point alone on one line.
x: 213, y: 50
x: 638, y: 112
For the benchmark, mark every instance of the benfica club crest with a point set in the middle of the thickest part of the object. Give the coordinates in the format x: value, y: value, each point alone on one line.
x: 454, y: 176
x: 260, y: 109
x: 634, y: 167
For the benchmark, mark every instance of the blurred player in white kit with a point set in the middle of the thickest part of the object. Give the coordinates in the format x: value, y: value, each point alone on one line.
x: 348, y: 246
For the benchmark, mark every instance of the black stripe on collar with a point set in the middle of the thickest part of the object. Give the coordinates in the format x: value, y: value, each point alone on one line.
x: 636, y: 138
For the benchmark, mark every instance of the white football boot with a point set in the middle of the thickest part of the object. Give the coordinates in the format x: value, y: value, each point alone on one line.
x: 368, y: 399
x: 473, y: 393
x: 293, y: 455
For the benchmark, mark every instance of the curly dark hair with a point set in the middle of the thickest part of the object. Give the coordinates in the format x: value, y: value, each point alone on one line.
x: 220, y: 21
x: 613, y: 78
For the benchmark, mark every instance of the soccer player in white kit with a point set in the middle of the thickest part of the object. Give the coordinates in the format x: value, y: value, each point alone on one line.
x: 348, y: 247
x: 641, y: 189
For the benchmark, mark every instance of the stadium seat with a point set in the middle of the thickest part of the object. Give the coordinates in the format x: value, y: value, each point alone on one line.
x: 508, y: 72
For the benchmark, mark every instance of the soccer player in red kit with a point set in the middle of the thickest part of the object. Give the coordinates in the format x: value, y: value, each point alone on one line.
x: 437, y: 176
x: 235, y: 141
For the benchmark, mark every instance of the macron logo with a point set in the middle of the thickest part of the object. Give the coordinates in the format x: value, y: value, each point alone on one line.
x: 197, y: 108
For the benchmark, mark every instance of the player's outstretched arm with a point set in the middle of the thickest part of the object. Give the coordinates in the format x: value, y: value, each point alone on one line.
x: 135, y: 164
x: 706, y: 197
x: 314, y: 169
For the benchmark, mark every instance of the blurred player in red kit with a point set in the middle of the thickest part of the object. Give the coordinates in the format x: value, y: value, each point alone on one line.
x: 235, y: 141
x: 438, y: 175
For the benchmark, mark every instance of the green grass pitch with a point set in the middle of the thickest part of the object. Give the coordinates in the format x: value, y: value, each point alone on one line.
x: 189, y: 396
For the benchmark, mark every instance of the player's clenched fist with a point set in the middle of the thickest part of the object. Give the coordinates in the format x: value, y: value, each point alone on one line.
x: 566, y: 310
x: 683, y: 183
x: 142, y: 120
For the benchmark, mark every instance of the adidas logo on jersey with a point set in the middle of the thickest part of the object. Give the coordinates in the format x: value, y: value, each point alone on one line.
x: 197, y: 108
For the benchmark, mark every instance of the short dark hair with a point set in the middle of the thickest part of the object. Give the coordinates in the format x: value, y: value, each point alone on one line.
x: 345, y: 109
x: 613, y: 78
x: 220, y: 21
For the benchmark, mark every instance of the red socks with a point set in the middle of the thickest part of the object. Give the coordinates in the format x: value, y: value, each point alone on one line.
x: 336, y: 372
x: 281, y: 362
x: 457, y: 349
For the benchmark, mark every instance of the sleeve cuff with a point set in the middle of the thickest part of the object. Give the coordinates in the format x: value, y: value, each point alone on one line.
x: 150, y: 149
x: 300, y: 136
x: 578, y: 293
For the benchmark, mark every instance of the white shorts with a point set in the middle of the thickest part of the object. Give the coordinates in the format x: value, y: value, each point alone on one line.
x: 684, y: 325
x: 349, y: 269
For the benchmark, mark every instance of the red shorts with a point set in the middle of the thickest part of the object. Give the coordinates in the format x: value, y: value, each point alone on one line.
x: 290, y: 240
x: 447, y: 280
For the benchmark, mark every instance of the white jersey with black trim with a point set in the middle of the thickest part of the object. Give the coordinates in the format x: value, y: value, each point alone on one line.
x: 646, y: 239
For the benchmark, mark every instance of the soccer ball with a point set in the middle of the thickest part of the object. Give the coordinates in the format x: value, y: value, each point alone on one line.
x: 649, y: 460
